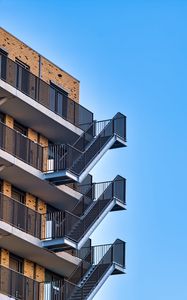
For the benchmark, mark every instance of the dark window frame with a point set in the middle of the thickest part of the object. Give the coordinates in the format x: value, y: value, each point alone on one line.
x: 19, y: 192
x: 19, y: 260
x: 58, y: 102
x: 20, y: 128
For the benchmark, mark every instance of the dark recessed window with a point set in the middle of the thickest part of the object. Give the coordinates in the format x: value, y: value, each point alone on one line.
x: 16, y: 263
x: 22, y: 77
x: 18, y: 195
x: 22, y: 64
x: 3, y: 64
x: 50, y: 276
x: 20, y: 128
x: 58, y: 100
x: 2, y: 117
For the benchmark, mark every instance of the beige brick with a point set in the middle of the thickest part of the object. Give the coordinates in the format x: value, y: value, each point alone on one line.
x: 32, y: 135
x: 5, y: 258
x: 9, y: 121
x: 7, y: 188
x: 17, y: 49
x: 4, y: 278
x: 49, y: 71
x: 40, y: 277
x: 44, y: 142
x: 30, y: 201
x: 39, y: 273
x: 42, y: 209
x: 28, y: 268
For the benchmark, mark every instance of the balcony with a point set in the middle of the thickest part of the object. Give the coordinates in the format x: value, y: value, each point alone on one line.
x: 22, y: 228
x: 72, y: 229
x: 22, y: 162
x: 30, y: 100
x: 70, y: 163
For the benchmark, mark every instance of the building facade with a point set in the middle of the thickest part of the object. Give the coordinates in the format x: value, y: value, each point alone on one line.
x: 49, y: 203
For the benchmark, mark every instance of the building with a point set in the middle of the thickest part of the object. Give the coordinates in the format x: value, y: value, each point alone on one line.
x: 49, y: 203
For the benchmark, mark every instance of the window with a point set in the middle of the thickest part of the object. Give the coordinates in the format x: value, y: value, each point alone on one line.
x: 20, y: 128
x: 51, y: 209
x: 3, y: 63
x: 58, y: 100
x: 2, y: 117
x: 23, y: 76
x: 16, y: 263
x: 50, y: 276
x: 18, y: 195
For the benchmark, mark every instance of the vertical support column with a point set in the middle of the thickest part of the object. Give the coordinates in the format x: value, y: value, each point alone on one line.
x: 7, y: 208
x: 4, y: 278
x: 9, y: 121
x: 30, y: 201
x: 7, y: 188
x: 42, y: 209
x: 5, y: 258
x: 44, y: 142
x: 28, y: 268
x: 32, y: 135
x: 40, y: 277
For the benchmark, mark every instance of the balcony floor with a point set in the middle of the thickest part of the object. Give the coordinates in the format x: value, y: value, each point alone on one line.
x: 29, y: 247
x: 29, y: 179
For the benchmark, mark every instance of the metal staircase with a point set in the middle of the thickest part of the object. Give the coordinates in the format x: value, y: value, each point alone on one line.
x: 70, y: 163
x: 105, y: 260
x: 71, y: 230
x: 101, y: 262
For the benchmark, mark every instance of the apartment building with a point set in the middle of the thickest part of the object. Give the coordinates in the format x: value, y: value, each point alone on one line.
x: 49, y: 203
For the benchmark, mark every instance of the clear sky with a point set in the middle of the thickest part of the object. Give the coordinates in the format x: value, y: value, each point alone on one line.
x: 130, y: 56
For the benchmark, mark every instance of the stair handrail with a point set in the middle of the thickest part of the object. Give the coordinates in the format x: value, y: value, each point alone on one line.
x: 111, y: 247
x: 98, y: 136
x: 69, y: 288
x: 64, y: 158
x: 67, y: 215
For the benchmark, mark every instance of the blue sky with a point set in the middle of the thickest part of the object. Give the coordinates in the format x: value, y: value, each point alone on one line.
x: 130, y: 56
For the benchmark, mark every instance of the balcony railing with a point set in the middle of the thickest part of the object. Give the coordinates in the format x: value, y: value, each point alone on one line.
x: 21, y: 147
x: 20, y: 216
x: 74, y: 227
x: 43, y: 93
x: 77, y: 157
x: 17, y: 286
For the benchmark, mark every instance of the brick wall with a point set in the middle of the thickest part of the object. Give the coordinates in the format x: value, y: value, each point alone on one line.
x: 38, y: 64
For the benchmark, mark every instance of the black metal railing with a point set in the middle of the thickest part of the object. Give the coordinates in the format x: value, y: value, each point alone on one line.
x: 18, y: 286
x: 45, y: 94
x: 21, y: 147
x: 103, y: 257
x: 77, y: 157
x: 82, y: 187
x: 89, y: 273
x: 84, y: 266
x: 20, y: 216
x: 74, y: 227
